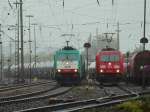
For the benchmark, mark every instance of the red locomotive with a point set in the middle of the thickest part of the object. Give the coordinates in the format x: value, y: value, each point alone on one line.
x: 109, y: 65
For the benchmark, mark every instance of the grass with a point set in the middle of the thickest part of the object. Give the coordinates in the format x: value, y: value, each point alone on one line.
x: 130, y: 106
x: 140, y: 105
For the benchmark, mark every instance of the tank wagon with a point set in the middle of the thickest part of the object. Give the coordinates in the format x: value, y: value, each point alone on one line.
x: 69, y: 66
x: 139, y: 65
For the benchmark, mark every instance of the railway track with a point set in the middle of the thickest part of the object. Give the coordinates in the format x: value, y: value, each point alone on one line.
x: 50, y: 87
x: 107, y: 91
x: 86, y: 104
x: 7, y: 88
x: 127, y: 90
x: 32, y: 100
x: 113, y: 90
x: 21, y: 84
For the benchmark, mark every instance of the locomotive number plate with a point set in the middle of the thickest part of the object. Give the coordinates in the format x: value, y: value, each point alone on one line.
x: 109, y: 66
x: 67, y: 66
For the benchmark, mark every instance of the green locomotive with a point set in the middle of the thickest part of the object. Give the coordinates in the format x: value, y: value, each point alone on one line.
x: 69, y: 66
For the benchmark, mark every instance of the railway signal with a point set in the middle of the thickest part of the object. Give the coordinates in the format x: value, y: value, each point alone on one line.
x: 87, y: 46
x: 143, y: 40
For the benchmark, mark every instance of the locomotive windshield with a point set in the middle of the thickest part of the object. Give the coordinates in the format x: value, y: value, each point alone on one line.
x: 69, y: 57
x: 109, y: 57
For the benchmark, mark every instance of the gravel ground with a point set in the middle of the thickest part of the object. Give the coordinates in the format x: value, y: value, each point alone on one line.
x: 83, y: 93
x: 19, y: 106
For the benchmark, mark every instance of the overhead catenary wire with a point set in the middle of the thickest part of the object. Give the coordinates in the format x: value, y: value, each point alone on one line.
x: 52, y: 11
x: 77, y: 25
x: 98, y: 2
x: 10, y: 4
x: 82, y: 7
x: 63, y: 3
x: 112, y: 2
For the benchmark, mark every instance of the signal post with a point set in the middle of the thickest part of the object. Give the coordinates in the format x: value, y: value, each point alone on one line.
x: 87, y: 46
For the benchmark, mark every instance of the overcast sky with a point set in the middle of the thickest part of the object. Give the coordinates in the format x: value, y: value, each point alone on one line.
x: 78, y: 17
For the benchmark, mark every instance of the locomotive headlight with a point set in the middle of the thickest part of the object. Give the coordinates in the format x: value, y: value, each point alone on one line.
x: 75, y: 70
x: 59, y: 70
x: 67, y: 63
x: 117, y: 71
x: 109, y: 63
x: 101, y: 70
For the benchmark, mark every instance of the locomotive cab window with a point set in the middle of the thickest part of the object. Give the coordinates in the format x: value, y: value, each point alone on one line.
x: 104, y: 57
x: 107, y: 57
x: 68, y: 57
x: 114, y: 57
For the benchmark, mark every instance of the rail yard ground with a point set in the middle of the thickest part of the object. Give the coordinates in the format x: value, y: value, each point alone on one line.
x: 80, y: 96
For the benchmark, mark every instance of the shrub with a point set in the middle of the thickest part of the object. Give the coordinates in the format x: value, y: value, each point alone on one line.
x: 131, y: 106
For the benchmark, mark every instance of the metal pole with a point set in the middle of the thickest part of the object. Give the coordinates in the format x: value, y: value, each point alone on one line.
x: 67, y: 43
x: 8, y: 72
x: 87, y: 63
x: 30, y: 47
x: 21, y: 34
x: 18, y: 57
x: 1, y: 54
x: 34, y: 44
x: 144, y: 30
x: 2, y: 60
x: 144, y: 23
x: 29, y: 16
x: 127, y: 72
x: 9, y: 61
x: 118, y: 38
x: 10, y: 45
